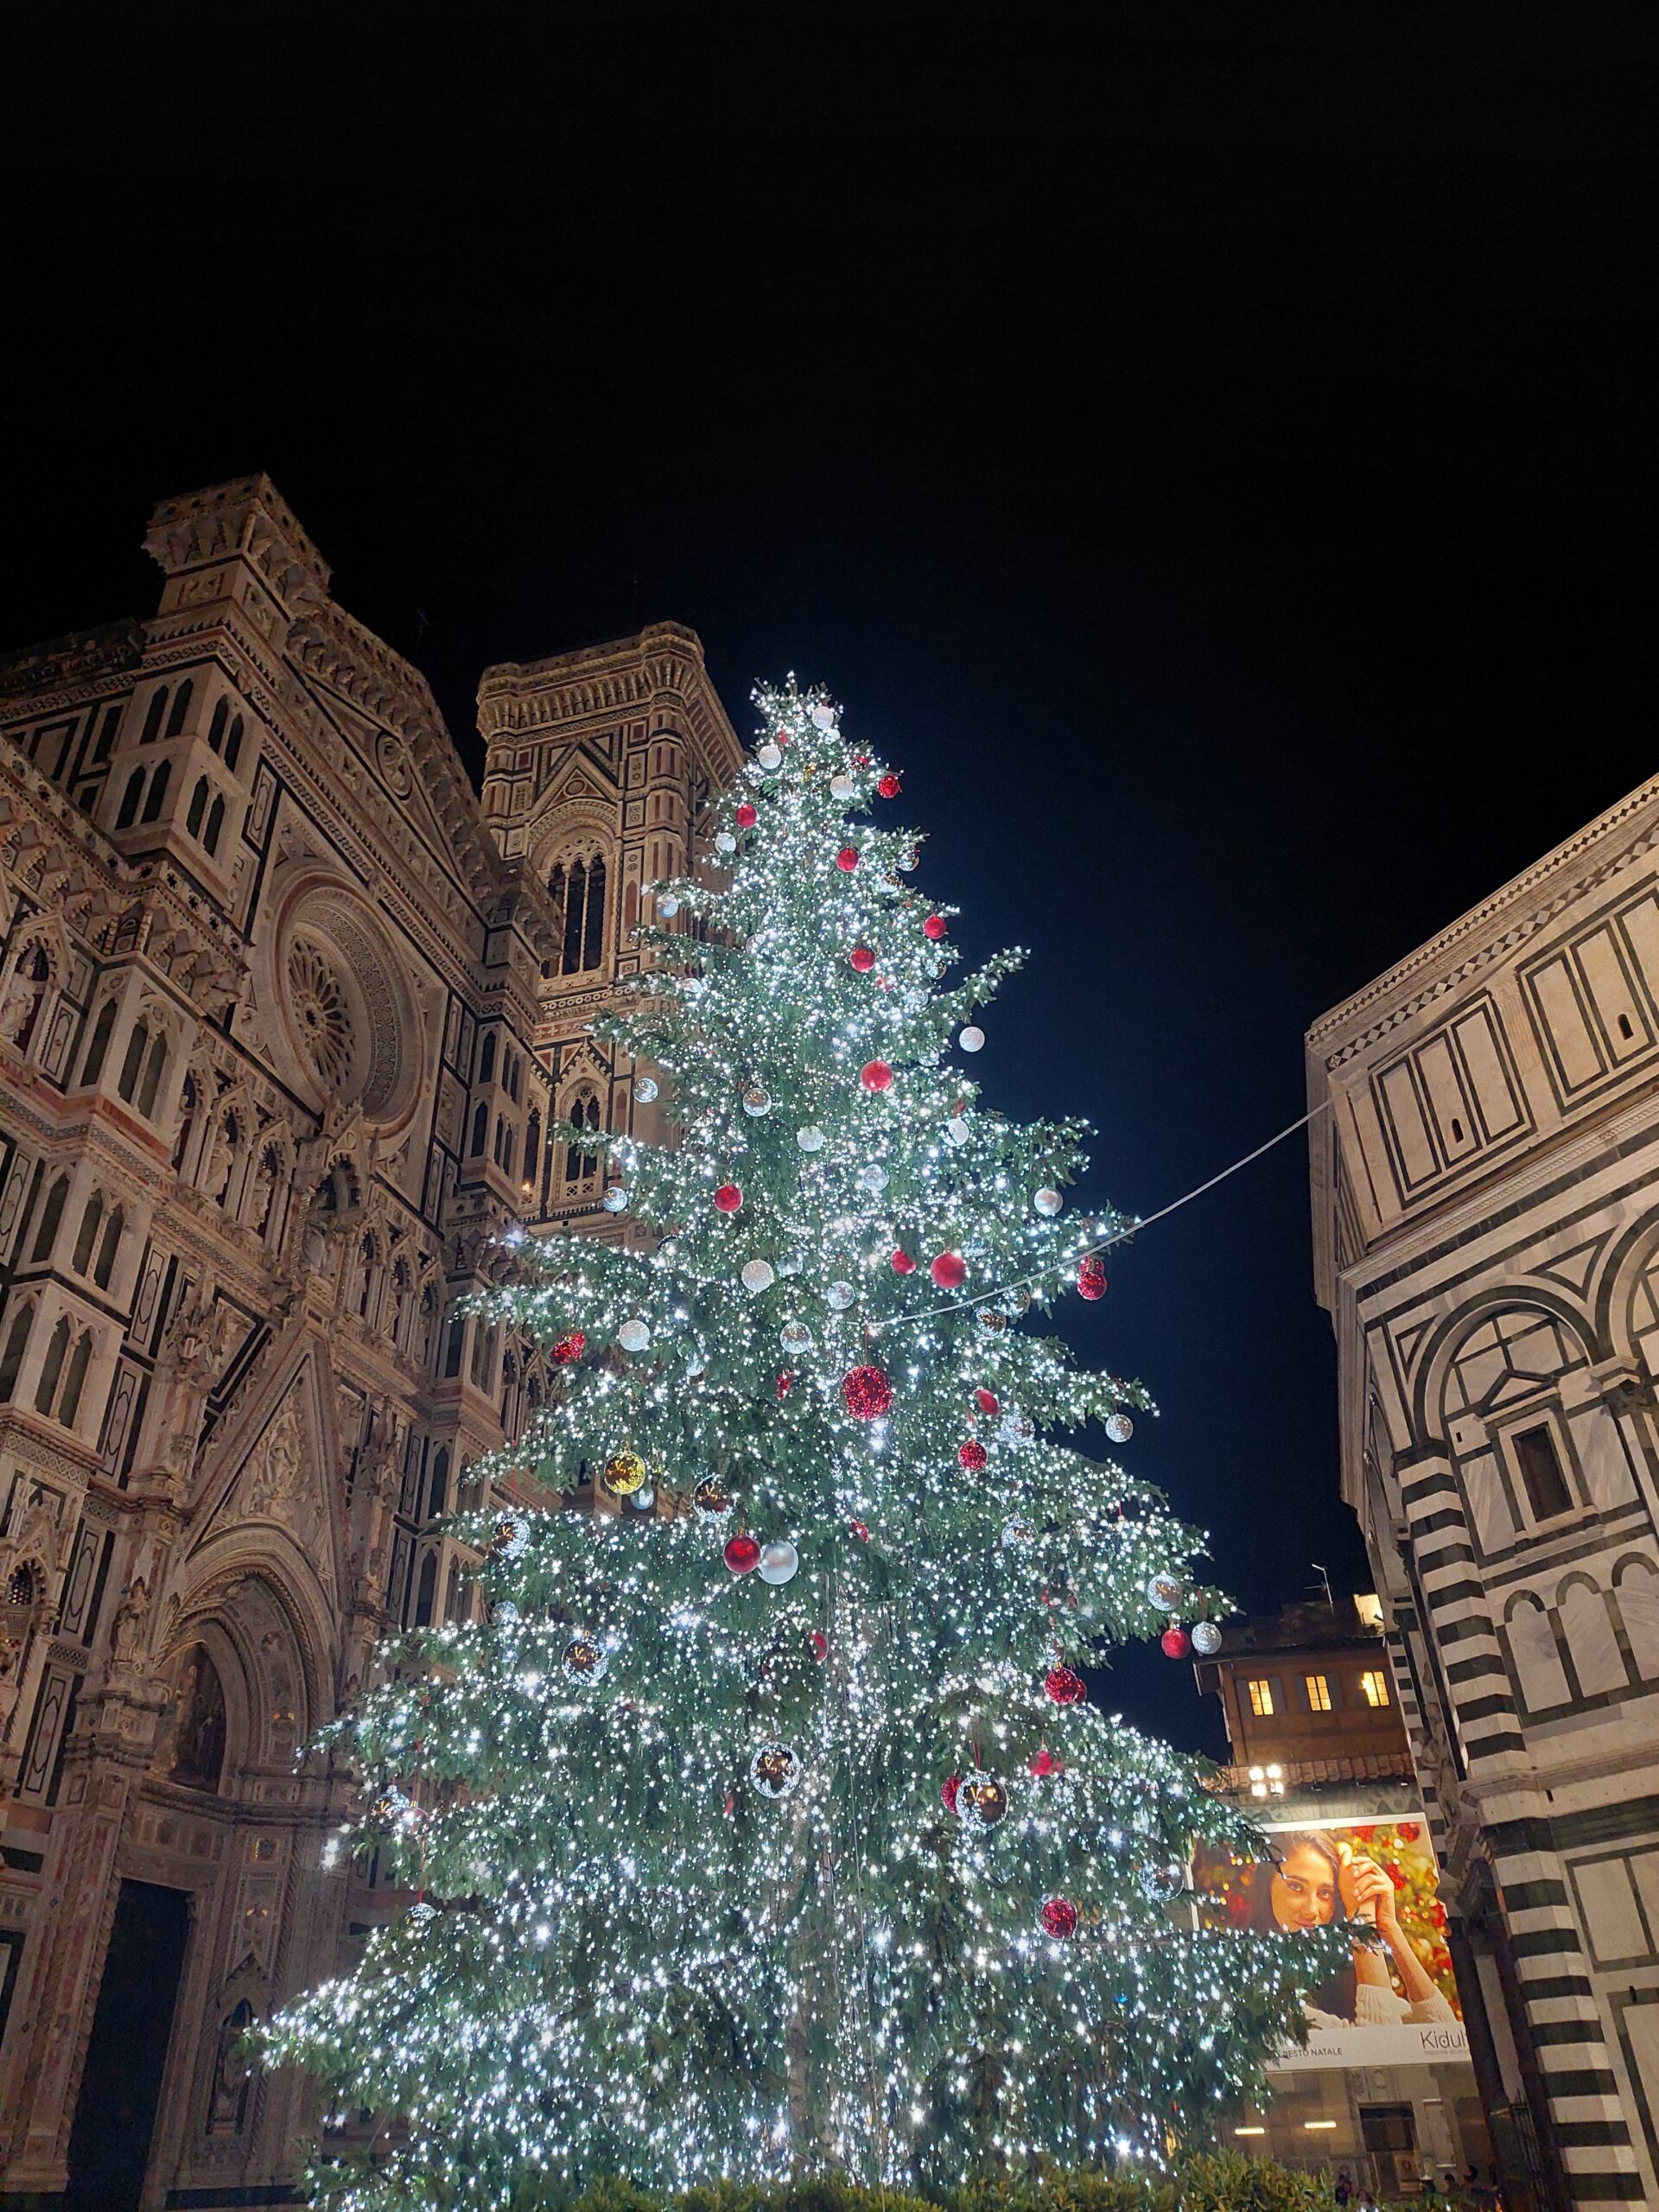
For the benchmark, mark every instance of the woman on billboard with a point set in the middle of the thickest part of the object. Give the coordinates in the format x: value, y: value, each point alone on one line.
x: 1311, y: 1881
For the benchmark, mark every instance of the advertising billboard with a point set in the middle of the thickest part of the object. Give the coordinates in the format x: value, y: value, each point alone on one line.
x: 1396, y: 2002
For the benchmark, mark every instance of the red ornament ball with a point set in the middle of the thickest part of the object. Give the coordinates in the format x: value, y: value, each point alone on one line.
x: 1091, y: 1277
x: 1064, y: 1686
x: 889, y: 786
x: 785, y: 1384
x: 745, y: 817
x: 935, y: 927
x: 950, y: 1790
x: 728, y: 1198
x: 860, y: 1530
x: 743, y: 1554
x: 971, y: 1455
x: 875, y: 1075
x: 1043, y: 1761
x: 820, y: 1644
x: 867, y: 1393
x: 987, y: 1401
x: 903, y: 1264
x: 1059, y: 1917
x: 948, y: 1271
x: 1176, y: 1641
x: 847, y: 859
x: 862, y: 959
x: 569, y: 1349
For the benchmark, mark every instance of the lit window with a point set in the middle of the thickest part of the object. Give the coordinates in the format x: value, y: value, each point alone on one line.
x: 1319, y: 1693
x: 1261, y: 1698
x: 1374, y: 1686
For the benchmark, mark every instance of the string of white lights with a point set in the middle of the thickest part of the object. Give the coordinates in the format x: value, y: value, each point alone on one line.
x: 1120, y: 1236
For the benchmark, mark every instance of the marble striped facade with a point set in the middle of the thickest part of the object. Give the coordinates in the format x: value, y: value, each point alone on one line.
x: 1486, y: 1178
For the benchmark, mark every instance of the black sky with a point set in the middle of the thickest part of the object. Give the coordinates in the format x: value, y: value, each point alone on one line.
x: 1211, y: 450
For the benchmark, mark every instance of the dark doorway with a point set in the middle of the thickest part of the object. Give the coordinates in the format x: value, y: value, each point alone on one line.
x: 109, y: 2144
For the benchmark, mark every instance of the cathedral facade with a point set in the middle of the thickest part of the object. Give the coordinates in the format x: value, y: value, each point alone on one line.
x: 287, y: 1016
x: 1486, y: 1210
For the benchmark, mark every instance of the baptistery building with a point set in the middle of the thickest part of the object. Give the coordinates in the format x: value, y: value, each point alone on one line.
x: 287, y: 1015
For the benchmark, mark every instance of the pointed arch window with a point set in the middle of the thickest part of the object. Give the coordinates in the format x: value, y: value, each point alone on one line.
x: 216, y: 728
x: 233, y: 744
x: 127, y: 813
x: 181, y: 707
x: 57, y: 1351
x: 132, y: 1066
x: 153, y: 713
x: 111, y: 1245
x: 157, y: 798
x: 426, y: 1591
x: 481, y: 1128
x: 453, y: 1602
x: 91, y: 1216
x: 98, y: 1048
x: 579, y: 890
x: 12, y: 1359
x: 437, y: 1497
x: 187, y: 1122
x: 198, y: 807
x: 532, y: 1144
x: 486, y: 1057
x: 75, y: 1381
x: 210, y: 836
x: 152, y: 1078
x: 46, y: 1234
x: 581, y: 1167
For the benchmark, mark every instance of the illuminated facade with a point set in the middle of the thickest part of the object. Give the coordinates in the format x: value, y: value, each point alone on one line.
x: 286, y: 1012
x: 1487, y: 1207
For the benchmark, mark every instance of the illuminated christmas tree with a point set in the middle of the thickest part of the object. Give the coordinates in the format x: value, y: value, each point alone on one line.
x: 767, y: 1825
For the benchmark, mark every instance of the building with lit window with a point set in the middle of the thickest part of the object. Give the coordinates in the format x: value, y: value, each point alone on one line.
x: 287, y: 1016
x: 1385, y: 2090
x: 1485, y: 1182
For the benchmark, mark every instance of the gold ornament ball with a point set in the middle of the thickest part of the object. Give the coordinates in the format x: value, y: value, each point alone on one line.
x: 625, y: 1472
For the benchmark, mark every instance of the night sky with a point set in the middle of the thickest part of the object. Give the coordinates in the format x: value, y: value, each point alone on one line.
x: 1211, y: 453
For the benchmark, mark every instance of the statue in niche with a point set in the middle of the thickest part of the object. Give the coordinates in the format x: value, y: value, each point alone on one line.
x: 199, y: 1733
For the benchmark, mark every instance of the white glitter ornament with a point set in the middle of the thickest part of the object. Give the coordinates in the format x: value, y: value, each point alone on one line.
x: 668, y: 905
x: 873, y: 1179
x: 956, y: 1130
x: 1048, y: 1202
x: 769, y: 756
x: 645, y: 1089
x: 795, y: 1337
x: 724, y: 842
x: 838, y: 1296
x: 512, y: 1539
x: 1206, y: 1638
x: 824, y: 718
x: 1119, y: 1428
x: 1016, y: 1427
x: 421, y: 1912
x: 757, y: 1275
x: 634, y: 1335
x: 1161, y: 1884
x: 810, y: 1139
x: 775, y: 1769
x: 504, y: 1613
x: 1164, y: 1591
x: 757, y: 1101
x: 643, y: 1500
x: 694, y: 1365
x: 842, y: 786
x: 972, y: 1039
x: 616, y: 1197
x: 780, y: 1562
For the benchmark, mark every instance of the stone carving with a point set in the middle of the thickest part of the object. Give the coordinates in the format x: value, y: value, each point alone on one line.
x: 275, y: 1476
x: 322, y: 1014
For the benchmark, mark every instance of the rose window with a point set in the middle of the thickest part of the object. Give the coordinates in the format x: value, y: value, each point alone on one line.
x: 322, y: 1014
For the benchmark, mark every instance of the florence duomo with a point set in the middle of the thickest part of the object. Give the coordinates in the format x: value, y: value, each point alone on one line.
x: 289, y: 1014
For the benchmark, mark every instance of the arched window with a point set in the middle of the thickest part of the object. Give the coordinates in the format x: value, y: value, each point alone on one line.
x: 157, y: 795
x: 47, y: 1233
x: 453, y: 1604
x: 57, y: 1351
x: 92, y: 1215
x: 12, y: 1359
x: 452, y: 1344
x: 509, y: 1388
x: 181, y: 707
x: 581, y: 1167
x: 107, y: 728
x: 215, y: 823
x: 97, y: 1050
x: 216, y: 728
x: 437, y: 1497
x: 133, y: 1066
x: 153, y: 713
x: 75, y: 1381
x: 532, y: 1144
x: 33, y: 978
x: 579, y: 890
x: 481, y: 1128
x: 486, y: 1057
x: 426, y: 1591
x: 483, y: 1358
x: 198, y: 807
x: 153, y: 1067
x: 233, y: 744
x: 113, y: 1229
x: 187, y: 1122
x: 127, y: 813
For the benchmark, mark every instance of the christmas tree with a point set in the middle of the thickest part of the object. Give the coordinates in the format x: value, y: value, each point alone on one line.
x: 767, y: 1824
